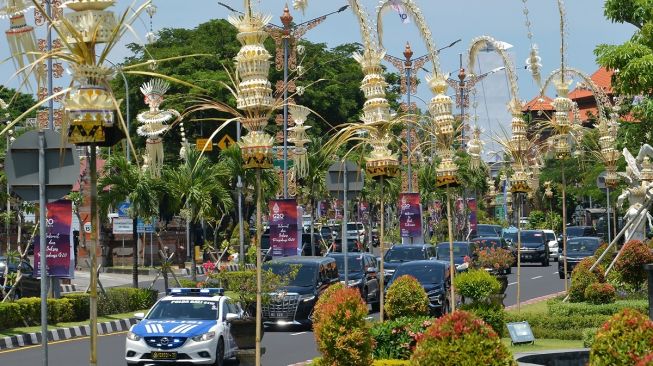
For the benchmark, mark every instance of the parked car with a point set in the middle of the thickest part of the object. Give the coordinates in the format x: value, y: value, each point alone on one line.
x: 495, y: 242
x: 362, y: 274
x: 306, y: 244
x: 398, y: 254
x: 353, y: 245
x: 552, y: 241
x: 461, y: 249
x: 578, y: 249
x: 356, y: 230
x: 489, y: 231
x: 534, y: 247
x: 326, y: 234
x: 434, y: 277
x: 29, y: 286
x: 577, y: 231
x: 293, y: 304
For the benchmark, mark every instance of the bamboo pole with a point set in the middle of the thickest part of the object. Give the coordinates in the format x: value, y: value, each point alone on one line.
x: 259, y: 232
x: 564, y: 224
x: 519, y: 214
x: 382, y: 246
x: 452, y: 299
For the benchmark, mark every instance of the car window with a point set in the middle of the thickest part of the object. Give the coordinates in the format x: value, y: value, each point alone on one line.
x: 582, y: 245
x: 550, y: 236
x: 401, y: 254
x: 184, y: 309
x: 26, y: 268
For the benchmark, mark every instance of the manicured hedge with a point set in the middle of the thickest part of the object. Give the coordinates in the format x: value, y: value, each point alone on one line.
x: 558, y: 326
x: 559, y: 308
x: 74, y: 307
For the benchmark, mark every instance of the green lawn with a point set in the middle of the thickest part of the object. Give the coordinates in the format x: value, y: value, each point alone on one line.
x: 538, y: 307
x: 543, y: 345
x: 101, y: 319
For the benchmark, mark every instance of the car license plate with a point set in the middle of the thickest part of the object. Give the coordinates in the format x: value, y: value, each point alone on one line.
x: 164, y: 355
x: 277, y: 315
x: 527, y: 256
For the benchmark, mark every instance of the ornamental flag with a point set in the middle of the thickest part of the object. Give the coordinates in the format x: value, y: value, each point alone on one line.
x: 396, y: 5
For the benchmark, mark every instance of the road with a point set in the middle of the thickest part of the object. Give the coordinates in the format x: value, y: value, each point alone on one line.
x: 283, y: 346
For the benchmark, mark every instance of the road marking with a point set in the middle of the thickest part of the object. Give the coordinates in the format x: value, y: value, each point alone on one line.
x: 369, y: 318
x: 555, y: 272
x: 296, y: 334
x: 536, y: 277
x: 57, y: 342
x: 512, y: 283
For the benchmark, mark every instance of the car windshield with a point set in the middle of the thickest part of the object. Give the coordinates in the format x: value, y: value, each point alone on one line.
x: 532, y: 237
x: 510, y: 236
x: 305, y: 276
x: 550, y: 236
x: 265, y: 241
x: 459, y: 250
x: 325, y: 231
x: 577, y: 231
x: 353, y: 263
x: 487, y: 243
x: 399, y: 254
x: 582, y: 245
x: 488, y: 230
x: 352, y: 227
x: 184, y: 309
x: 425, y: 274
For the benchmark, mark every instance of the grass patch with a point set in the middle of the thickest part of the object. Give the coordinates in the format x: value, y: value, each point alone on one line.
x: 538, y: 307
x: 543, y: 345
x: 101, y: 319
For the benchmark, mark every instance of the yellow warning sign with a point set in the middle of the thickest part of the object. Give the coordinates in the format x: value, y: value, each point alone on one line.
x: 203, y: 144
x: 225, y: 142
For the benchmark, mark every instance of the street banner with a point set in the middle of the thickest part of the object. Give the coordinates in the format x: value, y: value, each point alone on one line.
x: 337, y: 207
x: 435, y: 211
x: 472, y: 206
x: 410, y: 215
x: 59, y: 236
x: 459, y: 215
x: 363, y: 211
x: 283, y: 227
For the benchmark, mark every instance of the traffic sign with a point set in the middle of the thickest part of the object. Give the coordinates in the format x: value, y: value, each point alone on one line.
x: 143, y: 228
x: 22, y: 166
x: 335, y: 179
x: 87, y: 227
x: 123, y: 209
x: 123, y: 226
x: 204, y: 144
x: 225, y: 142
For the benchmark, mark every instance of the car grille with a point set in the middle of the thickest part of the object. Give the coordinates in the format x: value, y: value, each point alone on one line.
x: 435, y: 297
x: 167, y: 343
x: 283, y: 308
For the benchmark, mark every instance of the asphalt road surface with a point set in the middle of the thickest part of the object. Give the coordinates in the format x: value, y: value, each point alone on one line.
x: 283, y: 346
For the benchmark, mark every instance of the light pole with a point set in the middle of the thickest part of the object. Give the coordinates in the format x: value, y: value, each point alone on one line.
x: 10, y: 139
x: 127, y: 115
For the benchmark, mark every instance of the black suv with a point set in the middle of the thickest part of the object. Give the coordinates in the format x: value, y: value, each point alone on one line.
x: 293, y: 304
x: 488, y: 231
x: 362, y: 274
x: 576, y: 231
x: 434, y: 276
x: 496, y: 242
x: 29, y: 286
x: 534, y: 247
x: 401, y: 253
x: 577, y: 249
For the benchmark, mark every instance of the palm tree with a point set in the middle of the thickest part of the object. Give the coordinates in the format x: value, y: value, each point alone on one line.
x: 198, y: 187
x: 123, y: 181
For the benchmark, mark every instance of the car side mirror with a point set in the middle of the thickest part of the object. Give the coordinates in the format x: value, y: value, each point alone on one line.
x: 231, y: 316
x: 139, y: 316
x: 371, y: 270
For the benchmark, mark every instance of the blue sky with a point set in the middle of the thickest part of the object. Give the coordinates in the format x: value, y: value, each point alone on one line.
x: 448, y: 20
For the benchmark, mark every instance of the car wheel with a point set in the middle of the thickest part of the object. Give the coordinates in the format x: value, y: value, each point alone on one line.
x: 561, y: 274
x: 365, y: 295
x: 555, y: 259
x: 545, y: 262
x: 219, y: 353
x: 376, y: 306
x: 509, y: 270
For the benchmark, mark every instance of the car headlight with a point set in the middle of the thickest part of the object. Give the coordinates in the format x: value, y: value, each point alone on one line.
x: 204, y: 337
x: 462, y: 267
x: 307, y: 298
x: 354, y: 282
x: 541, y: 247
x: 133, y: 336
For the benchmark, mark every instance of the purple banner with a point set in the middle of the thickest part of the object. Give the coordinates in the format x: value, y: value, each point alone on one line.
x: 59, y: 247
x: 410, y: 215
x: 363, y: 211
x: 473, y: 208
x: 283, y: 227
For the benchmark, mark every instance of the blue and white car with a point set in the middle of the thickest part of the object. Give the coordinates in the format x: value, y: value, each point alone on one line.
x: 189, y: 326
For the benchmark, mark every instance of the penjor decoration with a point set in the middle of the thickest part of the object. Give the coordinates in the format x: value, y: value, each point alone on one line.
x: 153, y: 124
x: 21, y: 37
x: 299, y: 138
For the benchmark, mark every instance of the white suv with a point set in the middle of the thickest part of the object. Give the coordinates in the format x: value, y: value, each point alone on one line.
x: 189, y: 325
x: 356, y: 230
x: 552, y: 241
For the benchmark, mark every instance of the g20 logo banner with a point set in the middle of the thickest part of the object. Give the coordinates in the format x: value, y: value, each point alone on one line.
x: 284, y: 229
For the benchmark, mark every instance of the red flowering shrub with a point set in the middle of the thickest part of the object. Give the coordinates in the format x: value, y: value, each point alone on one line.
x: 498, y: 259
x: 460, y: 338
x: 608, y: 257
x: 341, y: 331
x: 630, y: 264
x: 406, y: 297
x: 625, y: 339
x: 646, y: 361
x: 581, y: 277
x: 600, y: 293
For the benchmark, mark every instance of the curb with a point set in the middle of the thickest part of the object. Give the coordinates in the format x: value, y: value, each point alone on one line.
x: 30, y: 339
x: 536, y: 300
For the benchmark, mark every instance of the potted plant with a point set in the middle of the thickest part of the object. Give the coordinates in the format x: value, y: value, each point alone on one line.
x: 496, y: 261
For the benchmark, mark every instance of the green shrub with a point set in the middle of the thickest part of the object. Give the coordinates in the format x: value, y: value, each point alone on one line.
x: 608, y: 257
x: 476, y: 285
x: 556, y: 326
x: 125, y: 299
x: 186, y: 283
x: 30, y: 309
x: 391, y: 363
x: 588, y: 337
x: 625, y: 339
x: 341, y: 331
x: 142, y: 299
x: 59, y: 311
x: 563, y: 309
x: 406, y: 297
x: 395, y: 339
x: 460, y: 338
x: 10, y: 315
x: 581, y: 277
x: 600, y: 293
x: 630, y: 264
x: 492, y: 314
x: 80, y: 303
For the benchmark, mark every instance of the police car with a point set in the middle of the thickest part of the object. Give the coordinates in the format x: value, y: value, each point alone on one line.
x: 188, y: 326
